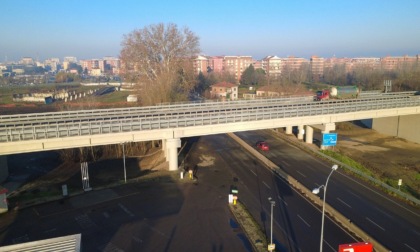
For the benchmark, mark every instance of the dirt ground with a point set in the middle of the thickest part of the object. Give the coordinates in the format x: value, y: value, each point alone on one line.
x: 390, y: 158
x: 102, y: 173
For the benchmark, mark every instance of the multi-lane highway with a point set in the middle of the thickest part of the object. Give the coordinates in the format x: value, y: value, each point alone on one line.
x: 182, y: 215
x: 296, y: 220
x: 393, y: 223
x: 149, y: 215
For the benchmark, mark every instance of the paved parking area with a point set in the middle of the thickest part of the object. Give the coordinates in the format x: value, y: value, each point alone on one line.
x: 166, y: 215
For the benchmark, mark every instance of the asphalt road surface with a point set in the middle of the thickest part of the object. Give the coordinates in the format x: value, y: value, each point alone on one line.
x: 393, y: 223
x: 296, y: 222
x: 177, y: 215
x: 186, y: 215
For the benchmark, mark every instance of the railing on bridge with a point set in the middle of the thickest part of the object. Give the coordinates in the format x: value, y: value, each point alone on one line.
x: 93, y: 122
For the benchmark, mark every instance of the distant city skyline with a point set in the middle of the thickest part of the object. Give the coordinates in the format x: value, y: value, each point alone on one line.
x: 326, y: 28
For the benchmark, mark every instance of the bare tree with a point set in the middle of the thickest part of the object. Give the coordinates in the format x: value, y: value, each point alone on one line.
x: 158, y: 58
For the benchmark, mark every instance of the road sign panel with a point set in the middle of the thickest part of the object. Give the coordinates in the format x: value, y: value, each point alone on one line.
x: 329, y: 139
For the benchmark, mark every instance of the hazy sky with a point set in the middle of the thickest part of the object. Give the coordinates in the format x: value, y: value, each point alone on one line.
x: 95, y: 28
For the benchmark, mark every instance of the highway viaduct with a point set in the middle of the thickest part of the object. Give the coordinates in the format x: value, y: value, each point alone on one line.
x: 169, y: 123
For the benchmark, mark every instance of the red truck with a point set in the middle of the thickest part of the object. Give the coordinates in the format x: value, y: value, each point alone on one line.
x: 340, y: 92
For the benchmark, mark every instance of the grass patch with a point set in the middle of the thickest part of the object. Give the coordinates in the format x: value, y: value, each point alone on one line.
x: 114, y: 97
x: 6, y: 93
x: 348, y: 161
x: 391, y: 182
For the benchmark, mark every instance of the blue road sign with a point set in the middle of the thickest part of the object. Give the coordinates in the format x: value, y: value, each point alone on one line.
x: 329, y: 139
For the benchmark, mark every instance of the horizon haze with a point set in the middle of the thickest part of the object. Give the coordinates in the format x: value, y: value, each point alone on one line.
x: 326, y: 28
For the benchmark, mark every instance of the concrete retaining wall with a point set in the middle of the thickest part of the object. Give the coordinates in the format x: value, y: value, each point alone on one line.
x: 401, y: 126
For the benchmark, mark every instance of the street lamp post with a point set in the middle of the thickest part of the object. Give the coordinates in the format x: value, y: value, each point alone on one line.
x: 271, y: 246
x: 125, y: 173
x: 316, y: 191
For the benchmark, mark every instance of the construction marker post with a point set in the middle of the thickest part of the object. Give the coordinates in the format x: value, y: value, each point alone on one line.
x: 234, y: 192
x: 191, y: 173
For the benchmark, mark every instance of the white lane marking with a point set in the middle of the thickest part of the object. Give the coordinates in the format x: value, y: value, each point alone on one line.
x: 382, y: 196
x: 301, y: 174
x: 413, y: 249
x: 329, y: 245
x: 284, y: 202
x: 126, y: 210
x: 375, y: 223
x: 286, y: 163
x: 355, y: 195
x: 417, y: 233
x: 253, y: 172
x: 307, y: 224
x: 266, y: 185
x: 383, y: 212
x: 344, y: 202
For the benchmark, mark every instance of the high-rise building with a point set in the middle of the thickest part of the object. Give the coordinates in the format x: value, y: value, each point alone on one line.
x: 390, y: 63
x: 272, y: 65
x: 200, y: 64
x: 70, y: 59
x: 216, y: 64
x: 317, y: 67
x: 27, y: 61
x: 236, y: 64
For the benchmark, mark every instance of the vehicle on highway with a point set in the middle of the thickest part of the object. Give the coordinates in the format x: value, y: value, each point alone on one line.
x: 338, y: 92
x: 262, y: 145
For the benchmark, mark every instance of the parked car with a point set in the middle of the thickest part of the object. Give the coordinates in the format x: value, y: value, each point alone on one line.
x: 262, y: 145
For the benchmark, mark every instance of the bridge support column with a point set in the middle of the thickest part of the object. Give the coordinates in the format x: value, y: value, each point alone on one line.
x: 301, y: 132
x: 172, y: 146
x: 289, y: 130
x: 309, y: 134
x: 327, y: 127
x: 165, y: 150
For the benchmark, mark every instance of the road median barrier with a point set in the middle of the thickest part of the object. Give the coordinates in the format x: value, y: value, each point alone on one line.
x: 251, y: 228
x: 332, y: 213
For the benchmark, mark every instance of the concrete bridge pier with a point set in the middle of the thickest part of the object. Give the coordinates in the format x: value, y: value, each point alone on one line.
x: 309, y: 134
x: 327, y: 127
x: 171, y: 152
x: 301, y: 132
x: 289, y: 130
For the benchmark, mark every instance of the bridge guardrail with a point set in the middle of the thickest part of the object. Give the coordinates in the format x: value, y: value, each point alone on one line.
x: 94, y: 114
x: 206, y: 116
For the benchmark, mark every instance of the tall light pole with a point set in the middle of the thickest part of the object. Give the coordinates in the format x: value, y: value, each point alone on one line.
x: 271, y: 247
x: 125, y: 173
x: 316, y: 191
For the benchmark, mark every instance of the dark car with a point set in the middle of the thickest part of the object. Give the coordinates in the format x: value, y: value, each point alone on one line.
x: 263, y: 146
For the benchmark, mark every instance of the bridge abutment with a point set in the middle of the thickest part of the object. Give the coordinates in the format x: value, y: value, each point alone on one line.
x: 400, y: 126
